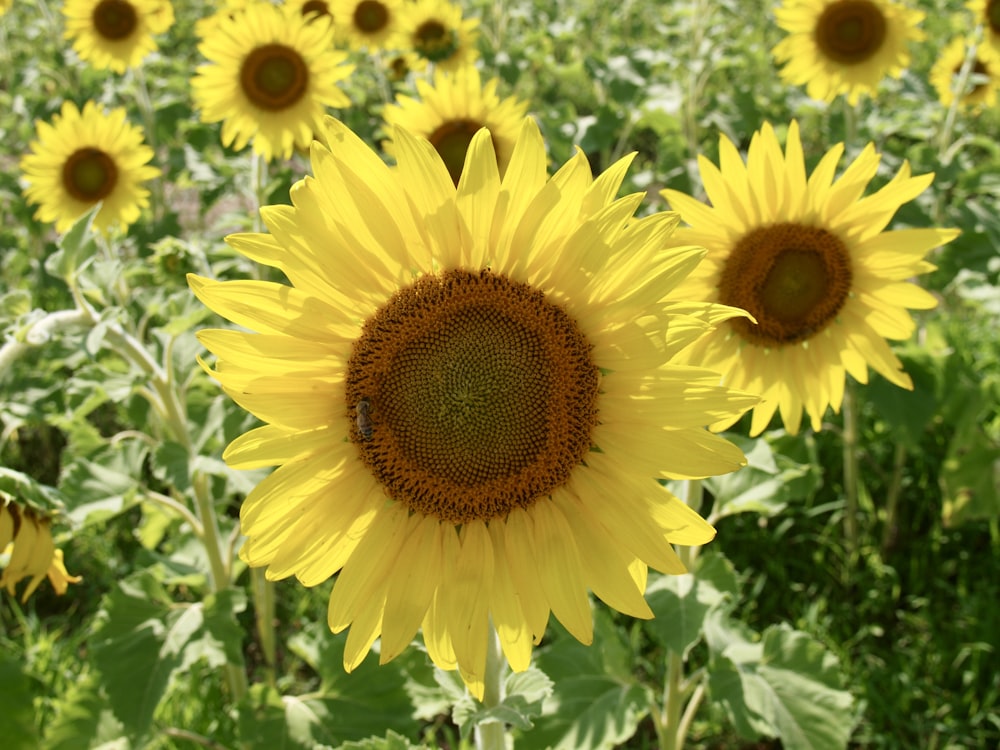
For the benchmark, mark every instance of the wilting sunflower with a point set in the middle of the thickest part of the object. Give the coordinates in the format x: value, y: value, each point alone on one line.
x: 809, y: 259
x: 367, y: 24
x: 435, y: 32
x: 987, y: 13
x: 451, y: 111
x: 270, y: 77
x: 844, y: 46
x: 470, y: 392
x: 85, y: 158
x: 981, y: 86
x: 116, y: 34
x: 26, y: 536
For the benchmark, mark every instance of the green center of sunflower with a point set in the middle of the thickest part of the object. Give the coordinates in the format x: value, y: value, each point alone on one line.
x: 793, y: 279
x: 274, y: 77
x: 451, y: 140
x: 114, y: 19
x: 89, y: 175
x: 370, y: 16
x: 850, y: 31
x: 471, y: 395
x: 434, y: 41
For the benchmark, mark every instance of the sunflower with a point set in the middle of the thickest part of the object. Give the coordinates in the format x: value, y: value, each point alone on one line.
x: 844, y: 46
x: 367, y: 24
x: 435, y: 32
x: 809, y: 259
x: 987, y: 13
x: 26, y: 536
x: 5, y: 5
x: 311, y: 8
x: 230, y: 9
x: 469, y: 392
x: 86, y: 158
x: 116, y: 34
x: 270, y: 77
x: 981, y: 87
x: 452, y: 110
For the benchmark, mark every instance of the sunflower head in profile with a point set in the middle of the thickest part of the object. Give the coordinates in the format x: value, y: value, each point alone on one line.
x: 26, y: 541
x: 435, y: 32
x: 470, y: 393
x: 115, y: 34
x: 982, y: 82
x: 451, y: 110
x: 367, y: 24
x: 271, y: 74
x: 85, y: 158
x: 844, y: 46
x: 987, y: 13
x: 810, y: 260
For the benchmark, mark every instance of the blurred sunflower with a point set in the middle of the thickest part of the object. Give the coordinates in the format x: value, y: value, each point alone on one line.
x: 26, y: 537
x: 435, y: 32
x: 844, y: 46
x: 311, y: 8
x: 470, y: 392
x: 981, y: 87
x: 270, y: 76
x: 451, y: 111
x: 230, y: 9
x: 115, y: 34
x: 86, y: 158
x: 987, y: 13
x: 367, y: 24
x: 5, y: 5
x: 809, y: 259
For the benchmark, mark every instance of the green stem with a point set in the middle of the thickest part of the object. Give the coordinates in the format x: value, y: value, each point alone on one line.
x: 892, y: 497
x: 263, y: 598
x: 850, y: 125
x: 693, y: 88
x: 851, y: 474
x: 493, y: 735
x: 673, y: 702
x: 960, y: 85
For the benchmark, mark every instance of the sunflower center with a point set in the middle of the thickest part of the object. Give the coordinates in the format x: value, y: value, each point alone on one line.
x: 792, y: 278
x: 993, y: 15
x: 315, y: 8
x: 89, y: 175
x: 434, y: 41
x: 851, y: 31
x: 274, y: 77
x: 471, y: 395
x: 451, y: 140
x: 370, y: 16
x: 114, y: 19
x: 978, y: 78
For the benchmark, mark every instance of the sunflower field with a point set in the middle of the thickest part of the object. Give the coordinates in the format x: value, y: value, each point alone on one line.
x: 388, y: 374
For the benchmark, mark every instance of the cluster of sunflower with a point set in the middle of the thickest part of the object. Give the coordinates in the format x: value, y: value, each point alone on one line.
x: 481, y: 373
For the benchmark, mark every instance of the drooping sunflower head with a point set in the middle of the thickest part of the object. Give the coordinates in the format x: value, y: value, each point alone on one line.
x: 115, y: 34
x: 270, y: 76
x: 367, y: 24
x: 981, y: 83
x: 844, y: 46
x: 435, y: 32
x: 471, y: 392
x: 810, y: 259
x: 451, y: 110
x: 85, y: 158
x: 26, y: 542
x: 987, y: 13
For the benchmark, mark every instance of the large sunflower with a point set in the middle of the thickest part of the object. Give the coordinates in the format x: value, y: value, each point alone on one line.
x: 981, y: 87
x: 116, y: 34
x: 26, y: 536
x: 270, y: 76
x: 86, y: 158
x: 451, y: 111
x: 809, y: 259
x: 435, y: 32
x: 470, y: 392
x: 987, y: 13
x: 844, y: 46
x: 367, y: 24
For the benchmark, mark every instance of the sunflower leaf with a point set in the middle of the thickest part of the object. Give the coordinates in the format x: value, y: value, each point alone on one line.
x: 525, y: 693
x: 83, y: 719
x: 17, y: 694
x: 77, y: 244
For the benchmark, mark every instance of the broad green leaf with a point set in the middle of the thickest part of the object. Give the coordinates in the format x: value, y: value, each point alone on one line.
x: 75, y: 247
x: 970, y: 482
x: 263, y: 722
x: 98, y: 488
x: 83, y: 719
x: 17, y: 715
x: 25, y: 490
x: 908, y: 412
x: 525, y: 693
x: 171, y: 464
x: 391, y: 741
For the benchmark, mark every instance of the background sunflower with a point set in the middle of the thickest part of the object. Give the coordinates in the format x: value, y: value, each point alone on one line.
x: 115, y: 34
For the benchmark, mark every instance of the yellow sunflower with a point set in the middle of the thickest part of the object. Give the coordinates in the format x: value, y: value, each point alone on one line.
x: 451, y: 111
x: 367, y: 24
x: 5, y: 5
x: 981, y: 87
x: 26, y: 537
x: 115, y: 34
x: 86, y: 158
x: 987, y: 13
x: 844, y: 46
x: 230, y: 9
x: 270, y: 76
x: 311, y: 8
x: 435, y: 32
x: 470, y: 392
x: 809, y: 259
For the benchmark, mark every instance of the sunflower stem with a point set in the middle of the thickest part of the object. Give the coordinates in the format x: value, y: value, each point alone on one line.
x: 263, y: 598
x: 892, y: 498
x: 851, y: 475
x: 493, y: 735
x: 850, y: 125
x: 959, y: 85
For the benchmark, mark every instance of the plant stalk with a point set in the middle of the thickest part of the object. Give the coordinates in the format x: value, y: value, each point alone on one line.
x: 493, y: 735
x: 851, y: 473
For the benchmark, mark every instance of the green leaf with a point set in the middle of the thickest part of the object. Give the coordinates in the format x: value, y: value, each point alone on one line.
x: 908, y: 412
x: 525, y: 693
x: 970, y: 482
x: 98, y: 488
x: 391, y: 741
x: 83, y: 719
x: 25, y: 490
x: 171, y: 464
x: 17, y: 717
x: 75, y: 247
